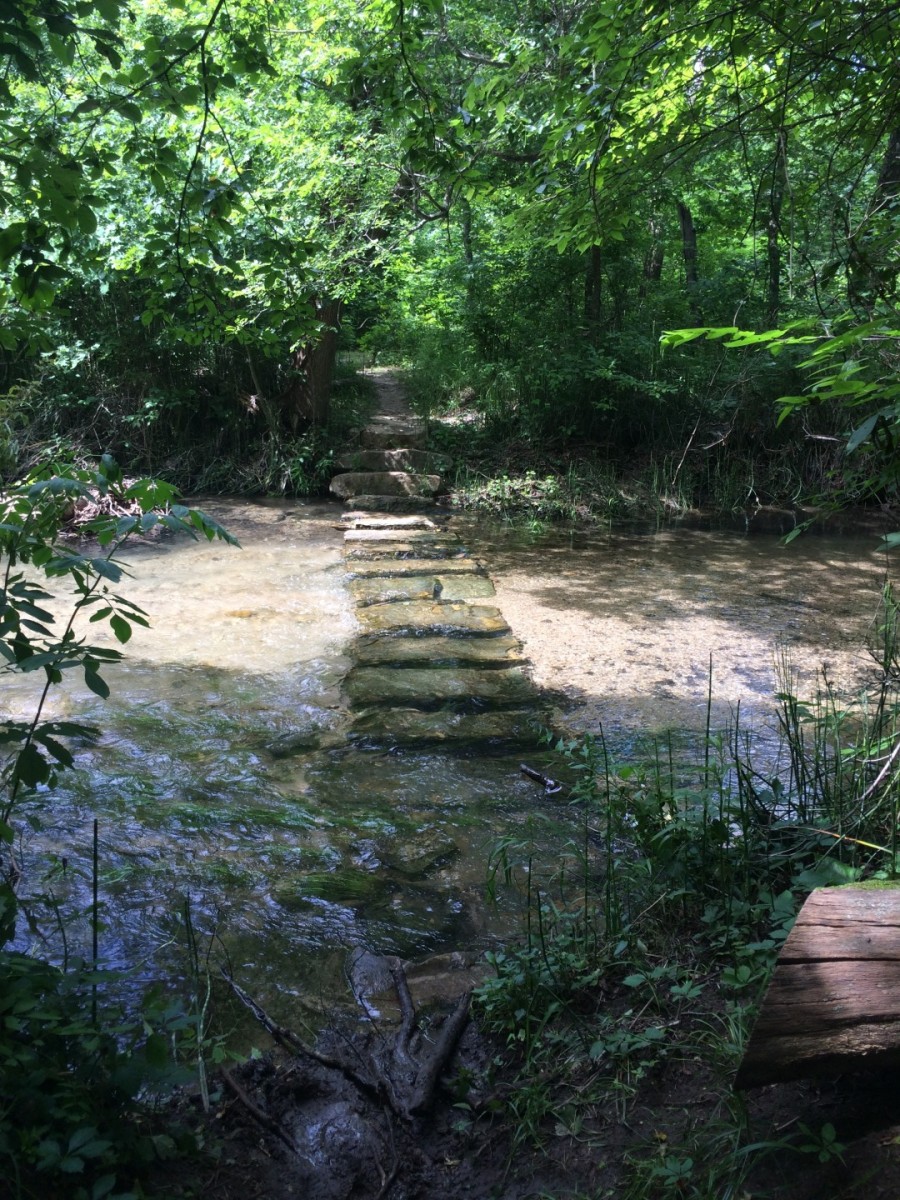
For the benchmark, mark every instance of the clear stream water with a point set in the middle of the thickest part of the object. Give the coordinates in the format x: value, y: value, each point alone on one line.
x: 290, y: 859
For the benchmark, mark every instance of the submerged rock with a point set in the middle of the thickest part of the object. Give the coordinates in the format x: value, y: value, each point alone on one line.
x: 436, y: 981
x: 430, y: 687
x: 379, y: 435
x: 465, y: 587
x: 347, y: 886
x: 417, y: 618
x: 384, y: 591
x: 387, y: 649
x: 294, y: 743
x: 397, y: 504
x: 413, y: 536
x: 372, y: 520
x: 436, y: 548
x: 412, y: 727
x: 380, y: 568
x: 408, y: 459
x: 442, y: 978
x: 384, y: 483
x: 421, y: 858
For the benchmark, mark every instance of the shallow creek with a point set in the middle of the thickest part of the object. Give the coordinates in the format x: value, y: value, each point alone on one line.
x: 203, y: 789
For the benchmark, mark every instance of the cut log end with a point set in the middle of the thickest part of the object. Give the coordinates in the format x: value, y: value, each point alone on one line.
x: 833, y: 1004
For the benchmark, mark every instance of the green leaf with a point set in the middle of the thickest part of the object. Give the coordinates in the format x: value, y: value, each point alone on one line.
x: 96, y: 683
x: 87, y: 106
x: 120, y: 628
x: 31, y: 766
x: 61, y: 753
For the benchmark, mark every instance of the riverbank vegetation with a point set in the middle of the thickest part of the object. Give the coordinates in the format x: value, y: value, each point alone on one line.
x: 204, y: 203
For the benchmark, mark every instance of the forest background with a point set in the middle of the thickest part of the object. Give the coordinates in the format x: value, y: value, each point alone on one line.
x: 202, y: 203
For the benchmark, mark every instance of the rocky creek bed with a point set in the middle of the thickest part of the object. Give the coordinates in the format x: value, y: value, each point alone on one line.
x: 324, y: 787
x: 372, y: 1110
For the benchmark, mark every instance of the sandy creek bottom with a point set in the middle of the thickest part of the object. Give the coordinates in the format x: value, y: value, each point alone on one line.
x: 290, y: 859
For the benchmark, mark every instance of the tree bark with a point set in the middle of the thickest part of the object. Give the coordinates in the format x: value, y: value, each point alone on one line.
x: 832, y: 1004
x: 773, y: 229
x: 872, y: 261
x: 592, y: 291
x: 689, y: 252
x: 308, y: 400
x: 653, y: 259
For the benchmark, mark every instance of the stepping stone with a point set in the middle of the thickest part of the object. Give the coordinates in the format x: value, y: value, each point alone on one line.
x: 384, y: 568
x: 411, y: 727
x: 393, y: 503
x: 409, y: 535
x: 384, y: 591
x: 417, y: 618
x: 381, y: 436
x: 363, y: 520
x: 394, y: 460
x: 438, y: 687
x: 388, y: 650
x: 464, y: 587
x: 384, y: 483
x: 450, y: 549
x: 421, y: 587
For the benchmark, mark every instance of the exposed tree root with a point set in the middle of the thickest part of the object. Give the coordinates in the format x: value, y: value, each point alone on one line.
x: 386, y: 1080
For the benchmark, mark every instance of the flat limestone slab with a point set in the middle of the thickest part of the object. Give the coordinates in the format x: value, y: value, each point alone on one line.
x: 430, y: 536
x: 417, y: 618
x: 833, y: 1004
x: 393, y: 503
x: 431, y: 687
x: 408, y: 459
x: 388, y: 650
x: 447, y: 549
x: 368, y: 520
x: 388, y: 591
x: 383, y: 568
x: 384, y: 483
x: 381, y: 435
x: 410, y: 727
x: 464, y: 587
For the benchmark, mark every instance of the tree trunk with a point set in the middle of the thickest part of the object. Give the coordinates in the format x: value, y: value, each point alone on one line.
x: 872, y: 261
x: 309, y: 397
x: 653, y: 259
x: 689, y: 251
x: 773, y: 229
x: 592, y: 292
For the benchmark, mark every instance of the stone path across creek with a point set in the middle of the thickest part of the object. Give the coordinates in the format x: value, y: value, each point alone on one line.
x: 435, y: 662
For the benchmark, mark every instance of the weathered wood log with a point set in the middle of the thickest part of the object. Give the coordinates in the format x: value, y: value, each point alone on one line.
x: 833, y: 1004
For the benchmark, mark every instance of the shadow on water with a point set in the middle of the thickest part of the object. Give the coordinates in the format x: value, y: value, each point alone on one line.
x: 625, y: 623
x: 222, y: 775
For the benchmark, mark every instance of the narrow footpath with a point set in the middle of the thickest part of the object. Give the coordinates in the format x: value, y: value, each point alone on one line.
x: 435, y: 662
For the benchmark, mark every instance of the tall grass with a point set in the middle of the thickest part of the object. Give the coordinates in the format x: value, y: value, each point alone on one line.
x: 653, y: 940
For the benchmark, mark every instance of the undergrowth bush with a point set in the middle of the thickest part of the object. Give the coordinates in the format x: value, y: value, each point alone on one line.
x: 76, y: 1073
x: 653, y: 942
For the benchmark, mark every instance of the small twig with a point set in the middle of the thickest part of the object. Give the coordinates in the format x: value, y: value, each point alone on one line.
x: 256, y: 1112
x: 427, y: 1079
x: 290, y: 1041
x: 551, y: 787
x: 387, y: 1181
x: 407, y: 1009
x: 882, y: 774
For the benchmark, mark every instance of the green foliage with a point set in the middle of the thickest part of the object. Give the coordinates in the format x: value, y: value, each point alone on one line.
x: 71, y: 1084
x: 69, y: 1079
x: 657, y: 937
x: 848, y: 365
x: 32, y: 517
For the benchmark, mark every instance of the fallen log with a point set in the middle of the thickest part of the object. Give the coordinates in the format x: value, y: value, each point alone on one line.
x: 833, y: 1004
